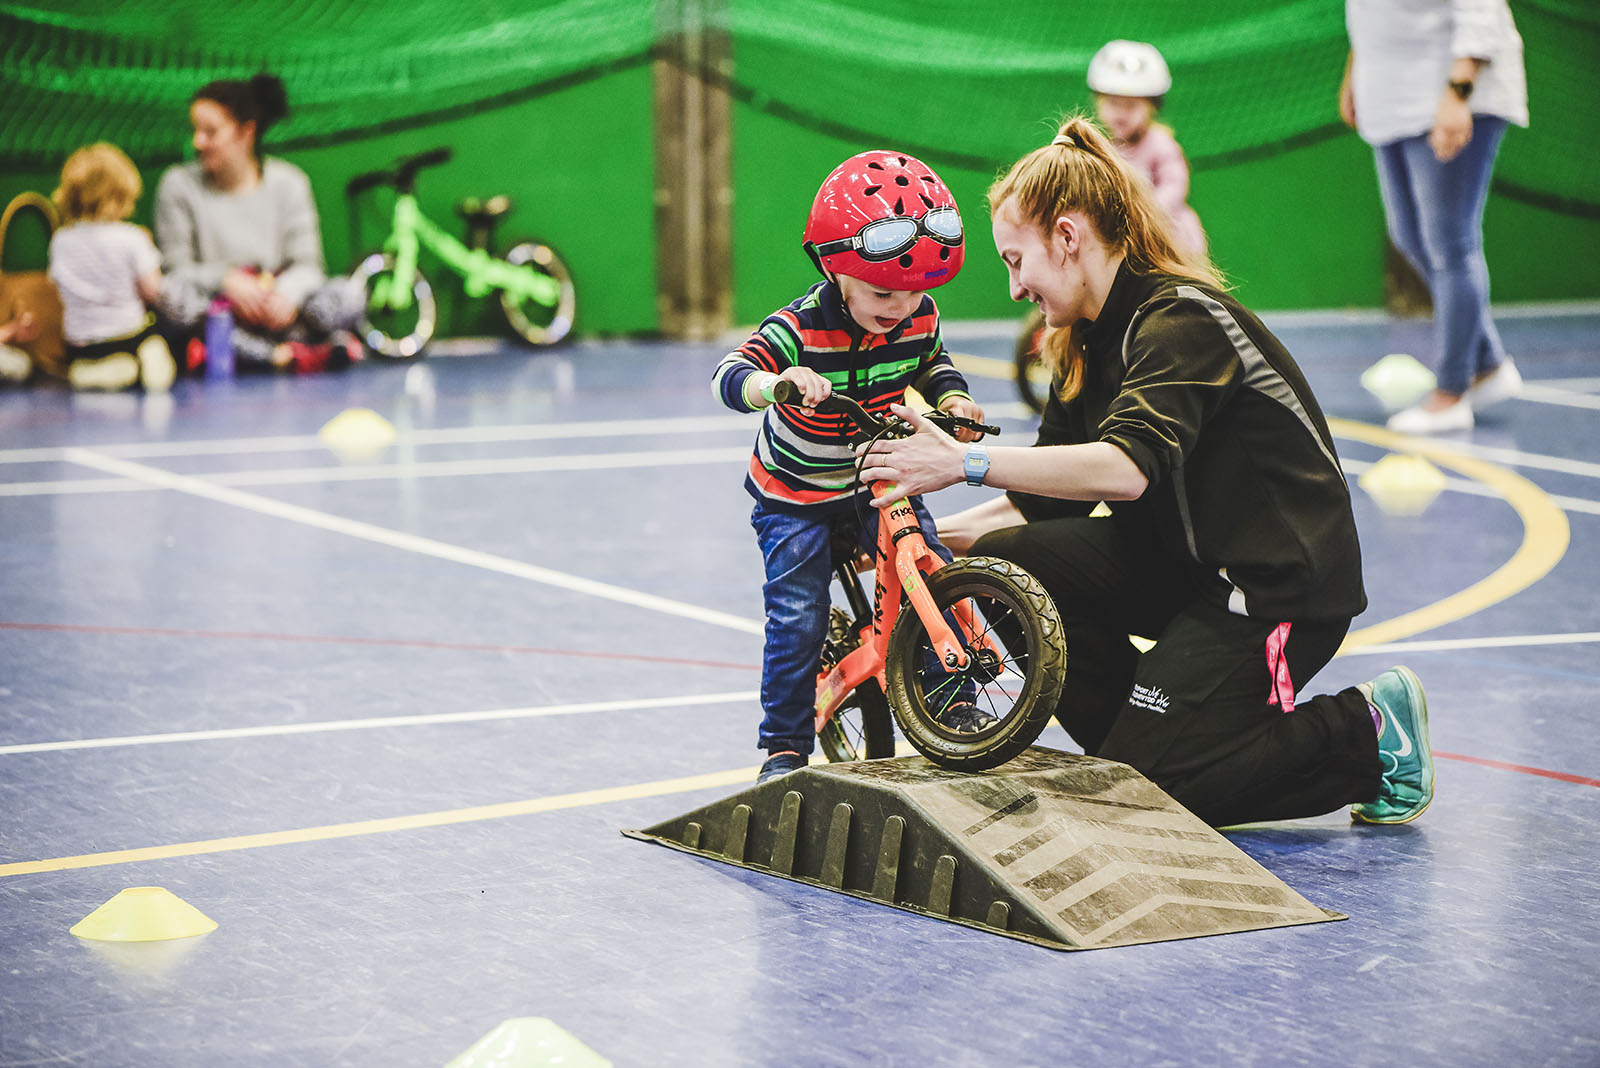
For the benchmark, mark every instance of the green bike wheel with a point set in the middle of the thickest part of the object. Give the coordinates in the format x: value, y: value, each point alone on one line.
x: 1012, y: 680
x: 398, y: 333
x: 539, y: 322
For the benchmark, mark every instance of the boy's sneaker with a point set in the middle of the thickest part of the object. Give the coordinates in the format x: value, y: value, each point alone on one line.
x: 966, y: 717
x: 781, y: 764
x: 1407, y: 785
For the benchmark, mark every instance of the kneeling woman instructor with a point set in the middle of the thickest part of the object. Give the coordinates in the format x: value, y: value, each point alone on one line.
x: 1230, y: 542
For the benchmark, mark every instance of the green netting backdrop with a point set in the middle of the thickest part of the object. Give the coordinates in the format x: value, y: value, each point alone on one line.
x: 966, y: 82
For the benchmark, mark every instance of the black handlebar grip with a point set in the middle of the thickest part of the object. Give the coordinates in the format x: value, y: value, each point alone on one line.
x: 785, y: 392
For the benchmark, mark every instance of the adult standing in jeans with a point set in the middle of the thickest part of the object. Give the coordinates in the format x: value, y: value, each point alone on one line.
x: 1432, y: 86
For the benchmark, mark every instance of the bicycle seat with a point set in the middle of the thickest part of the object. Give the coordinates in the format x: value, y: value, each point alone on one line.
x: 478, y: 210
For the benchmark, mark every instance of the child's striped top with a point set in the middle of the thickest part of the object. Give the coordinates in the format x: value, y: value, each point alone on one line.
x: 805, y: 460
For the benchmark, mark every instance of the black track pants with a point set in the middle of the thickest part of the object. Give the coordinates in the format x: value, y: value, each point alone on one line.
x: 1192, y: 714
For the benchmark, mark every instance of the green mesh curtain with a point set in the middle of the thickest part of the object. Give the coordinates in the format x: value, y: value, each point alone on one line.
x: 954, y: 80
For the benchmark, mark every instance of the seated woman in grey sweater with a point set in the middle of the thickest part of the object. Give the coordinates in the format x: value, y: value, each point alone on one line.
x: 233, y: 224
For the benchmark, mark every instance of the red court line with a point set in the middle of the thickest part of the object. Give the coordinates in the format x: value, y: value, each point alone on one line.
x: 1503, y: 766
x: 469, y: 647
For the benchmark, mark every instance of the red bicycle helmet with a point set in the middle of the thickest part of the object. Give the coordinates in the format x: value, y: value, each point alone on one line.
x: 887, y: 219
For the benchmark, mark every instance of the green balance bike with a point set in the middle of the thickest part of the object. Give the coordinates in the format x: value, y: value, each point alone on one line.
x: 400, y: 314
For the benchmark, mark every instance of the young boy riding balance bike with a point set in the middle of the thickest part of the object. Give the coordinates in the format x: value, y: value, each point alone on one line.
x: 883, y: 230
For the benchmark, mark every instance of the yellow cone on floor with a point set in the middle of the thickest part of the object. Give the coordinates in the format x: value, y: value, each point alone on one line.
x: 144, y: 914
x: 1398, y: 380
x: 1402, y: 484
x: 528, y: 1042
x: 357, y: 434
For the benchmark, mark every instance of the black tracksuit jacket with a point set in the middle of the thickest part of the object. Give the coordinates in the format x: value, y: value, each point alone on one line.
x: 1245, y: 485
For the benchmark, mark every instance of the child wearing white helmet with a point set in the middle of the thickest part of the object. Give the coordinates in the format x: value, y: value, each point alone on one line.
x: 1128, y: 79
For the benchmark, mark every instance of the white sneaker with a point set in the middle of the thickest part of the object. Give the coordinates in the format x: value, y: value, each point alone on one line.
x: 1503, y: 383
x: 157, y: 368
x: 1420, y: 420
x: 15, y: 365
x: 116, y: 371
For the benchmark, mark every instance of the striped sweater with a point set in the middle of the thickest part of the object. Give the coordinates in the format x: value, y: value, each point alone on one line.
x: 805, y: 462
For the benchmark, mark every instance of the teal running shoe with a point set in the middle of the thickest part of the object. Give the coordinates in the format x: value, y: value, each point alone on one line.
x: 1407, y: 785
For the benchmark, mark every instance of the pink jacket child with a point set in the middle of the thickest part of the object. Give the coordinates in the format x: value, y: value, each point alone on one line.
x: 1129, y: 79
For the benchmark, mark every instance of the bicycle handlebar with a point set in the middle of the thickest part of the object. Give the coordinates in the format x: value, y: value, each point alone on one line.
x: 786, y: 392
x: 402, y: 175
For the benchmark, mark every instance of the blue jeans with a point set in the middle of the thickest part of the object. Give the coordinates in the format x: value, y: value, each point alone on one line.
x: 799, y: 574
x: 1435, y: 215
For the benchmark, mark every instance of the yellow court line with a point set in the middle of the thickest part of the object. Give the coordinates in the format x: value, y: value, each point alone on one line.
x: 1545, y: 536
x: 380, y: 826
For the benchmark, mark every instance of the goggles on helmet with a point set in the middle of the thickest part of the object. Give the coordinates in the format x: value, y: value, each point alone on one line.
x: 884, y: 239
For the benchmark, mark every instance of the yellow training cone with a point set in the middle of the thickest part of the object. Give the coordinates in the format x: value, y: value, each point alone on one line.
x: 357, y: 434
x: 1402, y: 485
x: 528, y: 1042
x: 1397, y: 380
x: 144, y: 914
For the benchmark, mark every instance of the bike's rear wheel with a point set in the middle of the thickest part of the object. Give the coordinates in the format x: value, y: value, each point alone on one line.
x: 860, y: 728
x: 398, y: 333
x: 536, y: 322
x: 1018, y: 687
x: 1031, y: 372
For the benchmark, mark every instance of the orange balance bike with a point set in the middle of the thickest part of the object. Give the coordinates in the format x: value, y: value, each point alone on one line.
x: 971, y: 674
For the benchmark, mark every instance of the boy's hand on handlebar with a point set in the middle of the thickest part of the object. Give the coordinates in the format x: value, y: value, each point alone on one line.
x: 928, y: 460
x: 814, y: 389
x: 964, y: 408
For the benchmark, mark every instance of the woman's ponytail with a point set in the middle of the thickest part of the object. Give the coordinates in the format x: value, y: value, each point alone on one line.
x: 1080, y: 171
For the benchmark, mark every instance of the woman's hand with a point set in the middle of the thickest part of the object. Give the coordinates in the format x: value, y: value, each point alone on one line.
x: 928, y: 460
x: 1452, y: 127
x: 964, y: 408
x: 256, y: 303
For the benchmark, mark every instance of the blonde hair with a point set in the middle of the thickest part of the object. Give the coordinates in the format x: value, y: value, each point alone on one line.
x: 99, y: 183
x: 1081, y: 171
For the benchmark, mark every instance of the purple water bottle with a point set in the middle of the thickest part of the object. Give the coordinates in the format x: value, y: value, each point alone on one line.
x: 219, y: 339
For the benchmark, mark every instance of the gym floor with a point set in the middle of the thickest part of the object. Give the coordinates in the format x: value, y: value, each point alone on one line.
x: 382, y: 712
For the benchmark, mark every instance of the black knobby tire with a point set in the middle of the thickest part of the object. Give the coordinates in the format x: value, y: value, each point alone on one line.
x: 1020, y: 691
x: 536, y: 323
x: 861, y: 728
x: 1032, y: 376
x: 399, y: 335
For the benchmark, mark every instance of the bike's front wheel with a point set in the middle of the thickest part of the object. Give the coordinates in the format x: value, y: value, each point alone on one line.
x: 539, y: 321
x: 390, y: 325
x: 992, y: 709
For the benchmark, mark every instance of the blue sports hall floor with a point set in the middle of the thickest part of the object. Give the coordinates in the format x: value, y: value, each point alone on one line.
x: 381, y: 713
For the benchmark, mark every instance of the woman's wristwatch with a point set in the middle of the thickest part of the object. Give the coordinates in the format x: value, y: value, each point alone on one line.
x: 1463, y: 90
x: 975, y: 465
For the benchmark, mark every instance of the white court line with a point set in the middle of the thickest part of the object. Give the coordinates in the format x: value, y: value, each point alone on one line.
x: 477, y: 435
x: 1440, y: 645
x: 408, y: 542
x: 1477, y: 489
x: 278, y: 729
x: 737, y: 454
x: 1514, y: 457
x: 1540, y: 393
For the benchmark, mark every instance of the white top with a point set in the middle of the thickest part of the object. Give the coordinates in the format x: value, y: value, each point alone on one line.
x: 1401, y: 54
x: 95, y: 266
